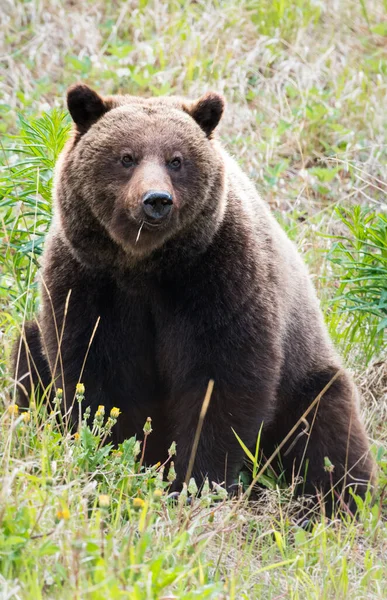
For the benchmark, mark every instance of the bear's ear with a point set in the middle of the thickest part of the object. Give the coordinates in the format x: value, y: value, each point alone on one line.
x: 85, y: 106
x: 207, y: 111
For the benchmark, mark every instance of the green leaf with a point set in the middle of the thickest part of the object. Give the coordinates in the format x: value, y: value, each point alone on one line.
x: 48, y: 548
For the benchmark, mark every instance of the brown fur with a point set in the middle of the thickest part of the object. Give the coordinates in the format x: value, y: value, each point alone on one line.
x: 216, y: 291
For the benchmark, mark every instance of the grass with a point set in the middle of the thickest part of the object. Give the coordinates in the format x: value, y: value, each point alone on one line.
x: 361, y: 254
x: 306, y: 84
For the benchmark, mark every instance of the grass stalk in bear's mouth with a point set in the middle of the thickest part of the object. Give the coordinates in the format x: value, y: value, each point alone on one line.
x: 139, y: 231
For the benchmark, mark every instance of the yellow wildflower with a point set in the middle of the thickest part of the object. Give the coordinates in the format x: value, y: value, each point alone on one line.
x: 80, y: 389
x: 115, y: 412
x: 26, y: 417
x: 76, y: 436
x: 100, y: 411
x: 104, y: 500
x: 59, y: 393
x: 99, y: 417
x: 138, y: 502
x: 13, y: 409
x: 63, y: 514
x: 157, y: 494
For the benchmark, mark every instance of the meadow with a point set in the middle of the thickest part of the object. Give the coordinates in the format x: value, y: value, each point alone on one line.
x: 306, y: 87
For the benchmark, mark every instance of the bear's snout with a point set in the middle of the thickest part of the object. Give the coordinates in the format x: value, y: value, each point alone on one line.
x: 157, y: 205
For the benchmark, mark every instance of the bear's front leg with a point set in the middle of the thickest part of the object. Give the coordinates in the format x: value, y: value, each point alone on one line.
x: 218, y: 455
x: 95, y: 333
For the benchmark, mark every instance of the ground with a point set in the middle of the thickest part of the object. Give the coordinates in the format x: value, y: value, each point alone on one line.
x: 305, y: 82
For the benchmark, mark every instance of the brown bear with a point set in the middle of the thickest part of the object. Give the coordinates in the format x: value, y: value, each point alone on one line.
x: 164, y: 269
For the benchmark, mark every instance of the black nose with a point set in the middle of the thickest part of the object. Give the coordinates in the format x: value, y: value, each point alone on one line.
x: 157, y: 204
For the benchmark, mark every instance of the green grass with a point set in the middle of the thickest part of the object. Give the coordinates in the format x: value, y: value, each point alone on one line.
x: 306, y: 84
x: 361, y: 298
x: 81, y: 519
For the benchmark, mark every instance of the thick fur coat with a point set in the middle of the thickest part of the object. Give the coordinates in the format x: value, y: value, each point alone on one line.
x: 145, y: 312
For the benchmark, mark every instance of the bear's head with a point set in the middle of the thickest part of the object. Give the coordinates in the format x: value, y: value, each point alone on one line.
x: 138, y: 174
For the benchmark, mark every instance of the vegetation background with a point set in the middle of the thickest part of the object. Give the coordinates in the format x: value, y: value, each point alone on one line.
x: 306, y: 85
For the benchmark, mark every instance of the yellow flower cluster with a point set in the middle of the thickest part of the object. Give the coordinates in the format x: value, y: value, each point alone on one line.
x: 100, y: 411
x: 63, y: 514
x: 13, y: 410
x: 58, y: 398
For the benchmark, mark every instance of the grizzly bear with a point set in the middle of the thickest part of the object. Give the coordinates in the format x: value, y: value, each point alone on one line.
x: 164, y: 269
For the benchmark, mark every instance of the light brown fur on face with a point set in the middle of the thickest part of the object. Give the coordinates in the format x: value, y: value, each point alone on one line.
x: 179, y: 274
x: 141, y: 129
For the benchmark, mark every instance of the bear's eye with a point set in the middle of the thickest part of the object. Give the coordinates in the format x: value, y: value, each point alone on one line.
x: 127, y: 160
x: 175, y: 163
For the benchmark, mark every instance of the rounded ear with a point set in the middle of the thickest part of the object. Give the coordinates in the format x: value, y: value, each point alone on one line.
x: 207, y: 111
x: 85, y: 106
